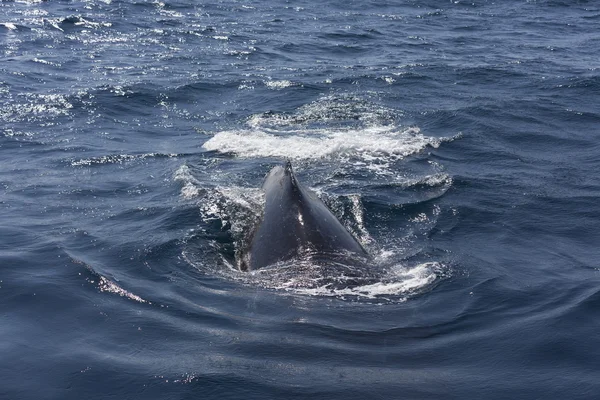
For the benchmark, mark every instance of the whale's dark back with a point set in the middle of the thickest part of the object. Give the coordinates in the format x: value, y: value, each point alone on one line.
x: 295, y: 220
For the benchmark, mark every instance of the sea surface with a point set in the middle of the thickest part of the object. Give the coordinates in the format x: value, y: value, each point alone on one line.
x: 459, y: 141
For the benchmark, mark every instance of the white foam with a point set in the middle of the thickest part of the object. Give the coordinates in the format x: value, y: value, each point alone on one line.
x: 183, y: 174
x: 42, y: 61
x: 90, y: 24
x: 229, y: 204
x: 397, y: 285
x: 278, y: 84
x: 437, y: 180
x: 316, y: 144
x: 9, y: 25
x: 13, y: 133
x: 37, y: 106
x: 189, y: 191
x: 106, y: 285
x: 116, y: 159
x: 415, y: 278
x: 232, y: 205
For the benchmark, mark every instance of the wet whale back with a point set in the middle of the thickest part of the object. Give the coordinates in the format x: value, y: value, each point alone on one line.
x: 295, y: 220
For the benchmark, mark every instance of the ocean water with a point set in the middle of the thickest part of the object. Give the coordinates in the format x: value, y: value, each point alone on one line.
x: 459, y: 141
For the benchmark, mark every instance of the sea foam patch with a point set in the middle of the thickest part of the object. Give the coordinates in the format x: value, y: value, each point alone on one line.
x: 340, y: 127
x: 394, y: 284
x: 322, y: 143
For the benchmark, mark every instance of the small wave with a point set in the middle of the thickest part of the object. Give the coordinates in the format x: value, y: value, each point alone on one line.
x: 9, y: 25
x: 106, y: 285
x: 36, y: 107
x: 279, y: 84
x: 46, y: 62
x: 14, y: 133
x: 77, y: 20
x: 117, y: 159
x: 435, y: 180
x: 330, y: 110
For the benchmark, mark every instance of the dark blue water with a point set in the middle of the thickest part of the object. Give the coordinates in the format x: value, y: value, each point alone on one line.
x: 458, y: 141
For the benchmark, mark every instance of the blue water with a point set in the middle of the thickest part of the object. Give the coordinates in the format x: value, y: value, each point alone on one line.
x: 458, y: 141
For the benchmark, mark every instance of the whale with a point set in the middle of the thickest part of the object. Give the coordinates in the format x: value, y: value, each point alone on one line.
x: 295, y: 223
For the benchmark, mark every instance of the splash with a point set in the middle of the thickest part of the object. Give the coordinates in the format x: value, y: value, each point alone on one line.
x: 338, y: 136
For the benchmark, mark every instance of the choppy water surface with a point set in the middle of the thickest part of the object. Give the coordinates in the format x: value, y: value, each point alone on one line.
x: 458, y: 141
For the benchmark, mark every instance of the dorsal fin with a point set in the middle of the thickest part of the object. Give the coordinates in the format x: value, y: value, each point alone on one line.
x: 295, y: 218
